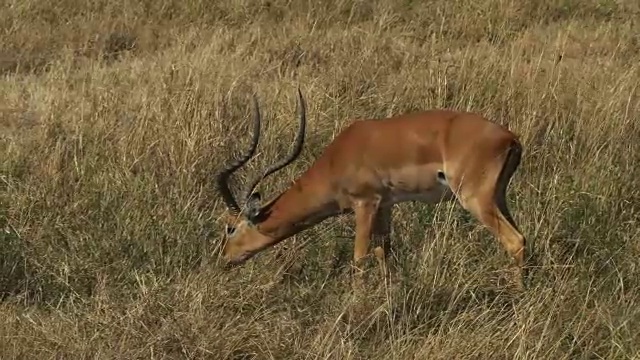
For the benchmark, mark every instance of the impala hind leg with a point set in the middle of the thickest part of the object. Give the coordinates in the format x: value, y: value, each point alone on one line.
x: 499, y: 222
x: 486, y: 200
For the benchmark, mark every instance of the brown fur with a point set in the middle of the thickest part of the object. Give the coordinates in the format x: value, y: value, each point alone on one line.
x: 373, y: 164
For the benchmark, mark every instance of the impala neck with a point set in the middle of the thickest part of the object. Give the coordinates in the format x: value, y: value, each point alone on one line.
x: 303, y: 205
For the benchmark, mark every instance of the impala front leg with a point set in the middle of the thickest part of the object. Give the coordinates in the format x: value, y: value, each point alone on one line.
x: 365, y: 211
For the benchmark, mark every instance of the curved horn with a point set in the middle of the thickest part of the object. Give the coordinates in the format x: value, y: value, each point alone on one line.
x: 297, y: 147
x: 222, y: 178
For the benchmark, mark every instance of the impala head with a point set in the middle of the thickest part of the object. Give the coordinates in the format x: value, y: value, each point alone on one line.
x: 243, y: 238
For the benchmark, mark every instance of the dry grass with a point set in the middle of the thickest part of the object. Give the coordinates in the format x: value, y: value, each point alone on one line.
x: 114, y: 116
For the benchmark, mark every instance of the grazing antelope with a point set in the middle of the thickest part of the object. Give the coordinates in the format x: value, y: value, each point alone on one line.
x: 429, y: 156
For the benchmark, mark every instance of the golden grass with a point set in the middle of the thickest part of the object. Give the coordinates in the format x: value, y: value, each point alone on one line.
x: 114, y: 116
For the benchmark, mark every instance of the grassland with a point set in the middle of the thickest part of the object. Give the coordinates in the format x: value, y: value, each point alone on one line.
x: 114, y: 115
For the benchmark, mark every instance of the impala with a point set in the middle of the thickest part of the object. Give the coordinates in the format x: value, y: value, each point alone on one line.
x: 429, y: 156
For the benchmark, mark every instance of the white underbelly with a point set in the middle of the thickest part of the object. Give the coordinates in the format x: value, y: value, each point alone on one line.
x: 433, y: 195
x: 424, y: 183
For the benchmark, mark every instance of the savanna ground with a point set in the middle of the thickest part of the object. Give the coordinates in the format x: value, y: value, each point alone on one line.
x: 114, y: 116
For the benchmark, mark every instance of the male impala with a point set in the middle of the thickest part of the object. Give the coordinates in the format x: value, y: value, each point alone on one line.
x: 428, y: 156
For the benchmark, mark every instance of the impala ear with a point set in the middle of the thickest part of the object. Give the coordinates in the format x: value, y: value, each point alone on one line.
x: 253, y: 206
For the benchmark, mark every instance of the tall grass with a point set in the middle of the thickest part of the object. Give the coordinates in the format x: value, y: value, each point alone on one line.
x: 114, y: 116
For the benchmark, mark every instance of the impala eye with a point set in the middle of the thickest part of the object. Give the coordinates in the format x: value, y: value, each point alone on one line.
x: 230, y: 230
